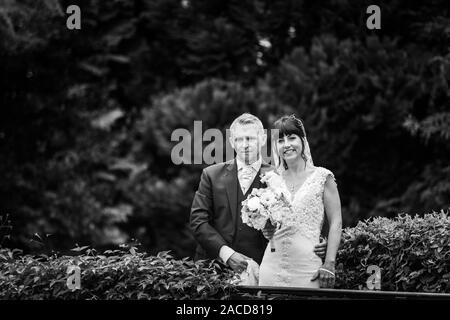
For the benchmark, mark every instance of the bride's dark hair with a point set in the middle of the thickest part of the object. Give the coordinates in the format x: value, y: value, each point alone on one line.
x: 287, y: 125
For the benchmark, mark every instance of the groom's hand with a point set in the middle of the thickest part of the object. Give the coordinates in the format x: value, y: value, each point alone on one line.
x: 268, y: 230
x: 321, y: 249
x: 238, y: 262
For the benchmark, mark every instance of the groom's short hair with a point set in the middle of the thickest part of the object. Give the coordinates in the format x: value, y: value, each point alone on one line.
x: 245, y: 119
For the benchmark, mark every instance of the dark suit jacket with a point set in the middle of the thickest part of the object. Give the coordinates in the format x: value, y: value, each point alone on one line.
x: 214, y: 209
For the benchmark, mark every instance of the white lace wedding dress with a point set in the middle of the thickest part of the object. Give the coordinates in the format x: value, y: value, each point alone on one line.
x: 294, y: 262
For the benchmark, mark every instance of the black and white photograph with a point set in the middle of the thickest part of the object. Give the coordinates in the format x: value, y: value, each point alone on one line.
x: 232, y: 150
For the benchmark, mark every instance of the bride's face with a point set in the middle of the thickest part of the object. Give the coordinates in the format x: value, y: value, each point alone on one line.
x: 289, y: 147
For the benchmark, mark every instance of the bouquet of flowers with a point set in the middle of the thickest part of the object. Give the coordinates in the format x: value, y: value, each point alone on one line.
x: 263, y: 205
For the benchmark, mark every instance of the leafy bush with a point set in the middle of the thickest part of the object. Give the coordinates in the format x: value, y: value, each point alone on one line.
x: 412, y: 252
x: 116, y: 274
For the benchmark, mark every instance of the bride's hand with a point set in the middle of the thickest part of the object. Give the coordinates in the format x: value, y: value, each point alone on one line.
x: 326, y: 275
x: 268, y: 230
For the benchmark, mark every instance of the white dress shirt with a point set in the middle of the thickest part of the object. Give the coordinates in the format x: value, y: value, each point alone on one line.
x: 246, y: 174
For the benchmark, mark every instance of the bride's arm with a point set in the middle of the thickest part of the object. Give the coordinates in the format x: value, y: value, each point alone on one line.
x: 332, y: 205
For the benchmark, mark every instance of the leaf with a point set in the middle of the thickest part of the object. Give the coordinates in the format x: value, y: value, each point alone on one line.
x: 37, y: 236
x: 200, y: 288
x: 92, y: 69
x: 79, y: 249
x: 108, y: 119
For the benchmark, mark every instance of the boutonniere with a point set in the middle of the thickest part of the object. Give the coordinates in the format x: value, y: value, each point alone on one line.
x: 271, y: 179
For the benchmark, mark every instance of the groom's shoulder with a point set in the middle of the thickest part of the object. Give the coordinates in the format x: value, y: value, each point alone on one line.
x: 217, y: 167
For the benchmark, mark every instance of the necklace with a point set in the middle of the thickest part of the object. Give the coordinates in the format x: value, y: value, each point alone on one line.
x: 294, y: 186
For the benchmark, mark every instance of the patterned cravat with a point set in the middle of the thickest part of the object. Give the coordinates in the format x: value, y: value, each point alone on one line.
x: 246, y: 177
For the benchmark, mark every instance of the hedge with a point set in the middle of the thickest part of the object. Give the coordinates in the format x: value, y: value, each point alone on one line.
x: 115, y: 274
x: 413, y: 254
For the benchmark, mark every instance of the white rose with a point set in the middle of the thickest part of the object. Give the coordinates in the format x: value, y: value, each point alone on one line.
x: 259, y: 222
x: 245, y: 217
x: 268, y: 199
x: 254, y: 204
x: 277, y: 215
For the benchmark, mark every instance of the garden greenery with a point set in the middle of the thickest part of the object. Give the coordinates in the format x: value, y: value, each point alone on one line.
x: 115, y: 274
x: 412, y: 252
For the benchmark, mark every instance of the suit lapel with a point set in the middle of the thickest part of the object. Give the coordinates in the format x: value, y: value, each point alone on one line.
x: 231, y: 184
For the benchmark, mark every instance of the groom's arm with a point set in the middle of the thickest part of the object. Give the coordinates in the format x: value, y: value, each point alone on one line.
x: 201, y: 215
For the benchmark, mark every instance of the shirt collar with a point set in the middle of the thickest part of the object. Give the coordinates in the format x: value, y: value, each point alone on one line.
x: 255, y: 165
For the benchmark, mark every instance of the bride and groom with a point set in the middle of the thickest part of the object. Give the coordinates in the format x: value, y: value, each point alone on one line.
x: 300, y: 260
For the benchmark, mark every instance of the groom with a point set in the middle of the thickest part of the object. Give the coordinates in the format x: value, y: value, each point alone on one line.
x: 216, y: 209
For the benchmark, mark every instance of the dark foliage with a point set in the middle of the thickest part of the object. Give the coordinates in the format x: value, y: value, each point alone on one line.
x: 86, y: 116
x: 114, y: 275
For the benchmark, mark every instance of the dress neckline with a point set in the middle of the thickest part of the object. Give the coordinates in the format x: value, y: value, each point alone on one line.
x: 301, y: 187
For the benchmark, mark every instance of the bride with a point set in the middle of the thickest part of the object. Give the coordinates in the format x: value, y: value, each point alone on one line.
x: 313, y: 193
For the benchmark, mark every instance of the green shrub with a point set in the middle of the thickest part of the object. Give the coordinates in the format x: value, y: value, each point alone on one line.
x: 412, y: 252
x: 116, y: 274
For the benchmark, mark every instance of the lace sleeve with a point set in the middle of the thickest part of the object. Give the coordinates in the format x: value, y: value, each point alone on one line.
x: 324, y: 175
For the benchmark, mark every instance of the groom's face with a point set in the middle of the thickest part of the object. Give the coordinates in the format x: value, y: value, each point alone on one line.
x: 247, y: 140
